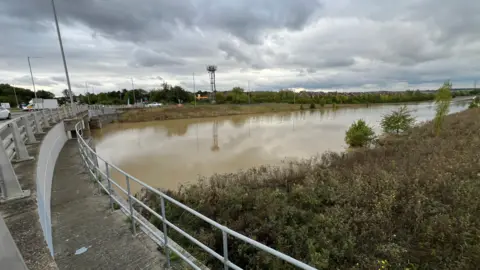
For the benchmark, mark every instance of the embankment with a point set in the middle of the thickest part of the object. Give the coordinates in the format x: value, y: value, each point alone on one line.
x: 173, y: 112
x: 411, y: 203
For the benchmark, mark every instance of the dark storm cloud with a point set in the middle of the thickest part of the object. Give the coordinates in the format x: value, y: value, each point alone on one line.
x: 150, y: 58
x: 249, y: 19
x: 273, y: 43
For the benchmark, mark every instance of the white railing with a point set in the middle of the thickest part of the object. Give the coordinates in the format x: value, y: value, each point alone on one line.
x: 101, y: 171
x: 16, y: 133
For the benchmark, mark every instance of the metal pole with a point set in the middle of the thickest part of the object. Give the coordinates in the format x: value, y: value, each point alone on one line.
x: 63, y: 55
x: 86, y: 93
x: 133, y: 89
x: 134, y: 230
x: 16, y: 99
x: 225, y: 250
x: 165, y: 237
x: 194, y: 92
x: 107, y: 172
x: 33, y: 82
x: 248, y: 92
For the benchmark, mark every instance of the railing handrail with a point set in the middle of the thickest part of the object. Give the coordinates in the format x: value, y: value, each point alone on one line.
x: 225, y: 230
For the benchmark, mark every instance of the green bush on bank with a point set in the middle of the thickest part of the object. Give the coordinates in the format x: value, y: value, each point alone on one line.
x: 397, y: 121
x: 359, y: 134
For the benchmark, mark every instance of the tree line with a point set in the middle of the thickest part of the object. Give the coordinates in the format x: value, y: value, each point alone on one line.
x: 7, y: 95
x: 174, y: 94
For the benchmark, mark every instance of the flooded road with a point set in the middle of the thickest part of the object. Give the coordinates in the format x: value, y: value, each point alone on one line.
x: 167, y: 154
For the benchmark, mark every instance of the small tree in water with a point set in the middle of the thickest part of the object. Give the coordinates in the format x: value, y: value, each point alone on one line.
x: 397, y: 121
x: 442, y: 101
x: 359, y: 134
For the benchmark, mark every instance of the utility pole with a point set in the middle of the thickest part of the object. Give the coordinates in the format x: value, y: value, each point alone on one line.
x: 86, y: 93
x: 16, y: 99
x: 133, y: 88
x: 33, y: 82
x: 248, y: 93
x: 194, y: 92
x: 63, y: 56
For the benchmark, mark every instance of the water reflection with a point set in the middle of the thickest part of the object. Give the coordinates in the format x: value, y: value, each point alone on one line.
x: 168, y: 153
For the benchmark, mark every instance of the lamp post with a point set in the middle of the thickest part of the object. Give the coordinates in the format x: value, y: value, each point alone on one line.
x: 63, y: 56
x: 133, y: 89
x: 16, y: 99
x: 33, y: 81
x: 194, y: 94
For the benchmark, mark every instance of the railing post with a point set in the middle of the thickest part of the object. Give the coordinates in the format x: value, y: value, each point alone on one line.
x: 65, y: 110
x: 52, y: 116
x: 37, y: 123
x: 46, y: 122
x: 131, y: 205
x: 109, y: 185
x: 28, y: 130
x: 165, y: 235
x: 225, y: 250
x: 21, y: 152
x: 9, y: 186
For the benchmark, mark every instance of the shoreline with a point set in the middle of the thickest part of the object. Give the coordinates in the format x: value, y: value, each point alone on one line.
x: 211, y: 111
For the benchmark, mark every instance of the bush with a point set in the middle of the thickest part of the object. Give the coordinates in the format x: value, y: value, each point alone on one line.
x: 475, y: 103
x: 397, y: 121
x: 442, y: 101
x: 410, y: 204
x: 359, y: 134
x: 312, y: 106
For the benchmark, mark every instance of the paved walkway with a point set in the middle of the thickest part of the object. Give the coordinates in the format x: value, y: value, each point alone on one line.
x: 81, y: 220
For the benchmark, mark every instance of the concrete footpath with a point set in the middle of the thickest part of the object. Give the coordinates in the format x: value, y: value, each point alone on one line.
x: 86, y: 233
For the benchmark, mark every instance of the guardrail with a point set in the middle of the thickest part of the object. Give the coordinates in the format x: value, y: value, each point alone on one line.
x: 15, y: 134
x: 93, y: 162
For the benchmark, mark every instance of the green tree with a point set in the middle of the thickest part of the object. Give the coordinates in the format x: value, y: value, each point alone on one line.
x: 359, y: 134
x: 397, y: 121
x: 442, y: 103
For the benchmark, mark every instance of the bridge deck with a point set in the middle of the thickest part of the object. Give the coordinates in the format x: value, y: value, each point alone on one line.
x: 81, y: 219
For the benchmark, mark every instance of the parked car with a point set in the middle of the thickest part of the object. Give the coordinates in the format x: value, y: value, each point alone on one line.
x: 154, y: 104
x: 5, y: 113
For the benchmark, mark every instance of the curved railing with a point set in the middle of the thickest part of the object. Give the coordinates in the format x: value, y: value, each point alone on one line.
x: 103, y: 176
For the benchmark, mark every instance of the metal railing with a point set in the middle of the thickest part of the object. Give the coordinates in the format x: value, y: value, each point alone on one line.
x: 15, y: 134
x: 103, y: 177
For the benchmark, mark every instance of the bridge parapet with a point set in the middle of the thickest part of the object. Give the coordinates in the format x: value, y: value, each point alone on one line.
x: 19, y: 132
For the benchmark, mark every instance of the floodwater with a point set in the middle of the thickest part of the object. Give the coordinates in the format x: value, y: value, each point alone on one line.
x: 166, y: 154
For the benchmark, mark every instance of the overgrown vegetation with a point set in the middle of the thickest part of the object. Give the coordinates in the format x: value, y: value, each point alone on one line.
x: 475, y: 103
x: 397, y: 121
x: 411, y: 203
x: 359, y: 134
x: 442, y: 103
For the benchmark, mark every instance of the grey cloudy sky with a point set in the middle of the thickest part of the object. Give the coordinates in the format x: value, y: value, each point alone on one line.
x: 310, y: 44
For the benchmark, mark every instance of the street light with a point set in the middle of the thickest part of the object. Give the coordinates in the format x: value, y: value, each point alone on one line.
x: 133, y: 89
x: 15, y: 92
x: 33, y: 81
x: 63, y: 55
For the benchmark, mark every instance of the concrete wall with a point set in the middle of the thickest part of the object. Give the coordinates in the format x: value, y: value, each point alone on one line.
x: 50, y: 148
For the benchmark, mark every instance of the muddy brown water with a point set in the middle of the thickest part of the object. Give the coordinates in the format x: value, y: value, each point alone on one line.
x: 167, y: 154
